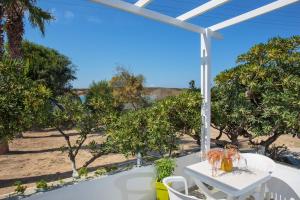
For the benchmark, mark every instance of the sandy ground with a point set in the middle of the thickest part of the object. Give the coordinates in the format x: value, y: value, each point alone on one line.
x: 37, y: 156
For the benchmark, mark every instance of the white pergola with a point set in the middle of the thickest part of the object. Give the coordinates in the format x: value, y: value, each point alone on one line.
x: 139, y: 8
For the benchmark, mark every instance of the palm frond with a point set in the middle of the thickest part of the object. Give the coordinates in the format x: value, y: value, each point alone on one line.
x: 38, y: 17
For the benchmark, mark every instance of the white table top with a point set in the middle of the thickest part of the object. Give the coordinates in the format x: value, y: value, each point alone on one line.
x: 235, y: 183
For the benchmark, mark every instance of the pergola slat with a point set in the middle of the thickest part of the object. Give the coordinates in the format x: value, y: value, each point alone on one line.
x: 201, y: 9
x: 251, y: 14
x: 156, y: 16
x: 142, y: 3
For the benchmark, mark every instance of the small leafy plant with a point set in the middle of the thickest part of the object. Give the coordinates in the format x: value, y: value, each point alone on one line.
x: 83, y: 172
x: 42, y: 185
x: 61, y: 181
x: 20, y: 188
x: 164, y: 167
x: 111, y: 168
x: 100, y: 171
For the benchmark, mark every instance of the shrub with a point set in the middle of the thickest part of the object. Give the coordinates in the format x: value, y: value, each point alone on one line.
x: 42, y: 185
x: 111, y: 168
x: 20, y: 188
x: 83, y: 172
x: 61, y: 182
x: 100, y: 171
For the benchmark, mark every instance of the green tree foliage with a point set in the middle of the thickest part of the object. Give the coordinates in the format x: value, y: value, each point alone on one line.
x: 49, y: 67
x: 101, y: 101
x: 22, y: 101
x: 164, y: 136
x: 128, y: 88
x: 157, y: 128
x: 1, y: 30
x: 185, y: 113
x: 70, y: 113
x: 129, y: 131
x: 260, y: 97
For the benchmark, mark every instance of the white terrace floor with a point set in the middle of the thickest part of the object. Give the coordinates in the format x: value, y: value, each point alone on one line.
x: 137, y: 184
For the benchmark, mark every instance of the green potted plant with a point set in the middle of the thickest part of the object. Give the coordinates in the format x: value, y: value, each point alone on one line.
x: 164, y: 167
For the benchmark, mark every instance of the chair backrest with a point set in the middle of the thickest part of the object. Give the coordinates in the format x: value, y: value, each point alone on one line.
x: 257, y: 161
x: 280, y: 190
x: 174, y: 194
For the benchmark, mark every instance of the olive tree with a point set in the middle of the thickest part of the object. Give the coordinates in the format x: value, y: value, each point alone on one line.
x: 22, y: 101
x: 186, y: 113
x: 260, y: 97
x: 70, y: 113
x: 164, y: 136
x: 128, y: 88
x: 158, y: 127
x: 130, y: 133
x: 100, y: 99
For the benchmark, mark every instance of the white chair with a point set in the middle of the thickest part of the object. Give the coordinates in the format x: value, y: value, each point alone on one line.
x: 175, y: 195
x: 260, y: 162
x: 280, y: 190
x: 263, y: 163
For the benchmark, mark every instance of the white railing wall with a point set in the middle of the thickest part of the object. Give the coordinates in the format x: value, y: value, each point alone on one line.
x: 135, y: 184
x: 138, y: 184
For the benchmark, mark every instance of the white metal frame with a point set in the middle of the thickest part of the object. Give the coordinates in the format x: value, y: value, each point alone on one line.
x: 201, y: 9
x: 205, y: 37
x: 142, y: 3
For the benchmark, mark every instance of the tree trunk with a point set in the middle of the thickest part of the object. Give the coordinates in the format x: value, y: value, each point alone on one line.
x: 139, y: 159
x: 234, y: 139
x: 198, y: 140
x: 220, y: 134
x: 4, y: 147
x: 74, y: 169
x: 270, y: 141
x: 1, y: 32
x: 92, y: 159
x: 19, y: 135
x: 266, y: 143
x: 15, y: 30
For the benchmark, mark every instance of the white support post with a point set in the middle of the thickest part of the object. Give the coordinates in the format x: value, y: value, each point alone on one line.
x: 205, y: 91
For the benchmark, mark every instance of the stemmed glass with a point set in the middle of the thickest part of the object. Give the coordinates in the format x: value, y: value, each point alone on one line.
x: 214, y: 157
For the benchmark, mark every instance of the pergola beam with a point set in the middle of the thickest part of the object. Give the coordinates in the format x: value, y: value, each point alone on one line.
x: 142, y: 3
x: 251, y: 14
x: 201, y: 9
x: 155, y: 16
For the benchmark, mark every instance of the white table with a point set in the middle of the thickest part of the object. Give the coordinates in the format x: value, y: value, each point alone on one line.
x: 239, y: 182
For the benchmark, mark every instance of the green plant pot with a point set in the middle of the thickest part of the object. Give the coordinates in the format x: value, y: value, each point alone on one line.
x: 161, y: 191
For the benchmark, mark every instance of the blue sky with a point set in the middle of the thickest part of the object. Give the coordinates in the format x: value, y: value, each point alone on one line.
x: 98, y: 39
